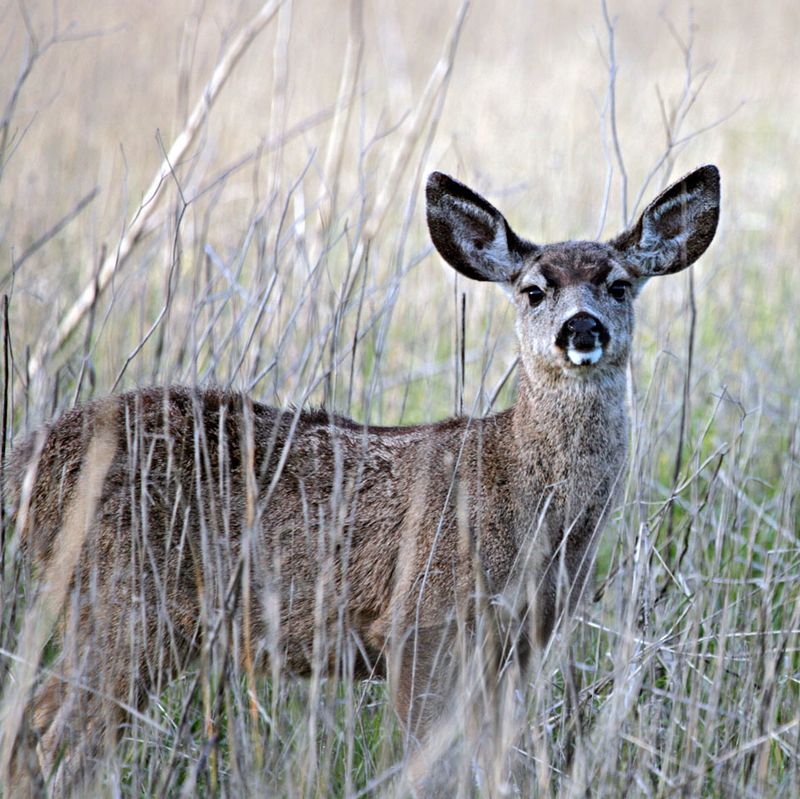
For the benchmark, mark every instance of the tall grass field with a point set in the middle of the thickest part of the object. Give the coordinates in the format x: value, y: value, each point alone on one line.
x: 211, y: 193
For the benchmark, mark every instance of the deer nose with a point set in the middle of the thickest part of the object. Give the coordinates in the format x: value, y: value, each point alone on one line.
x: 583, y: 323
x: 582, y: 331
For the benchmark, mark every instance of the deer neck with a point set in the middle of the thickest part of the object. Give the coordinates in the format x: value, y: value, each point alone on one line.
x: 567, y: 428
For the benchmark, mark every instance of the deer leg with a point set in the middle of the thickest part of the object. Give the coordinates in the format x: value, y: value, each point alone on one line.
x: 423, y: 696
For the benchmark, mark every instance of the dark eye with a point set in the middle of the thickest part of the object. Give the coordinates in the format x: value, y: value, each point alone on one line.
x: 619, y: 289
x: 535, y: 295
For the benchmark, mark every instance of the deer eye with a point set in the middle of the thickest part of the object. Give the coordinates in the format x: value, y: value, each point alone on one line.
x: 619, y: 290
x: 535, y: 295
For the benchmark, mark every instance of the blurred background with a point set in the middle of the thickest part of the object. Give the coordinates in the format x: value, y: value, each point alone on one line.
x: 285, y: 252
x: 525, y: 119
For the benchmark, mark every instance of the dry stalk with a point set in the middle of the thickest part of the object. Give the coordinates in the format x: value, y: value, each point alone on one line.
x: 56, y: 581
x: 437, y: 84
x: 138, y: 224
x: 353, y: 59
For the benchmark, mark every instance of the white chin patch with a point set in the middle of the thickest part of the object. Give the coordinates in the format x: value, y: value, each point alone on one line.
x: 580, y: 358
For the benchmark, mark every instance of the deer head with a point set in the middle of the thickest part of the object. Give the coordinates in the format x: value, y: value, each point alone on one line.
x: 574, y: 299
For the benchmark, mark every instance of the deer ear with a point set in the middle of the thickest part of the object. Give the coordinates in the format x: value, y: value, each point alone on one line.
x: 471, y: 234
x: 675, y: 229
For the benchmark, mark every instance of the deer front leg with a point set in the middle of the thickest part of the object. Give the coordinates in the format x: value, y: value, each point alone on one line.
x: 425, y: 678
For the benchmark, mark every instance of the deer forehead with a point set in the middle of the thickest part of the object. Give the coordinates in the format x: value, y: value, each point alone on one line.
x: 573, y: 263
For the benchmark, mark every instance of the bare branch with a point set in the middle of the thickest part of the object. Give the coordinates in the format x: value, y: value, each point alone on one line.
x: 344, y: 107
x: 115, y: 261
x: 612, y: 109
x: 437, y: 84
x: 49, y: 234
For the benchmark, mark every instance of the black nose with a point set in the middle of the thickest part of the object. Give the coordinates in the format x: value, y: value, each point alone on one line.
x: 583, y: 323
x: 582, y: 332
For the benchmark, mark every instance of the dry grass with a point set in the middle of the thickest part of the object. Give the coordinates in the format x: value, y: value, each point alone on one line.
x: 287, y: 256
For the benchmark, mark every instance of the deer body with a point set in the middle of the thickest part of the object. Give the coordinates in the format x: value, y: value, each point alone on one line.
x: 360, y: 548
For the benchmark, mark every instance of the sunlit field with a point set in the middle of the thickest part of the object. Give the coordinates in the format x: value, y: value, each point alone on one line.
x: 272, y: 239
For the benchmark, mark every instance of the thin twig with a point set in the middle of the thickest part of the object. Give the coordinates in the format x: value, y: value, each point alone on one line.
x: 437, y: 84
x: 612, y: 109
x: 4, y: 431
x: 353, y: 59
x: 48, y: 235
x: 197, y: 118
x: 685, y: 403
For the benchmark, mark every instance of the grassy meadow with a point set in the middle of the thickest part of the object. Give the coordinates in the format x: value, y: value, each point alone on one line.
x: 283, y: 251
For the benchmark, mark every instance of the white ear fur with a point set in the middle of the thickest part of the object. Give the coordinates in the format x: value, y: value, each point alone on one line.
x: 496, y: 251
x: 676, y: 228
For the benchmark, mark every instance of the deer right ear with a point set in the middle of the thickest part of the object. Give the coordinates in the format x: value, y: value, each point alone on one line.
x: 675, y: 229
x: 471, y: 234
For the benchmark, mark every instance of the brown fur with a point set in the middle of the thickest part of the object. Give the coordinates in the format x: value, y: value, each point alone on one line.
x: 385, y: 537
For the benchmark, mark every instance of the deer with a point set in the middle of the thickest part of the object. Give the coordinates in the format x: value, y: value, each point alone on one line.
x: 150, y: 515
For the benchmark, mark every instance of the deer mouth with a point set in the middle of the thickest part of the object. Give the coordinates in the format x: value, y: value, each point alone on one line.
x: 581, y: 357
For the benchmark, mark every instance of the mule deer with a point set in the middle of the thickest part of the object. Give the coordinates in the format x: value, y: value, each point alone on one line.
x: 167, y: 509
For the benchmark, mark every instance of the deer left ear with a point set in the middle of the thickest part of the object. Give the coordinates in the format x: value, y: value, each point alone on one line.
x: 471, y: 234
x: 676, y: 228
